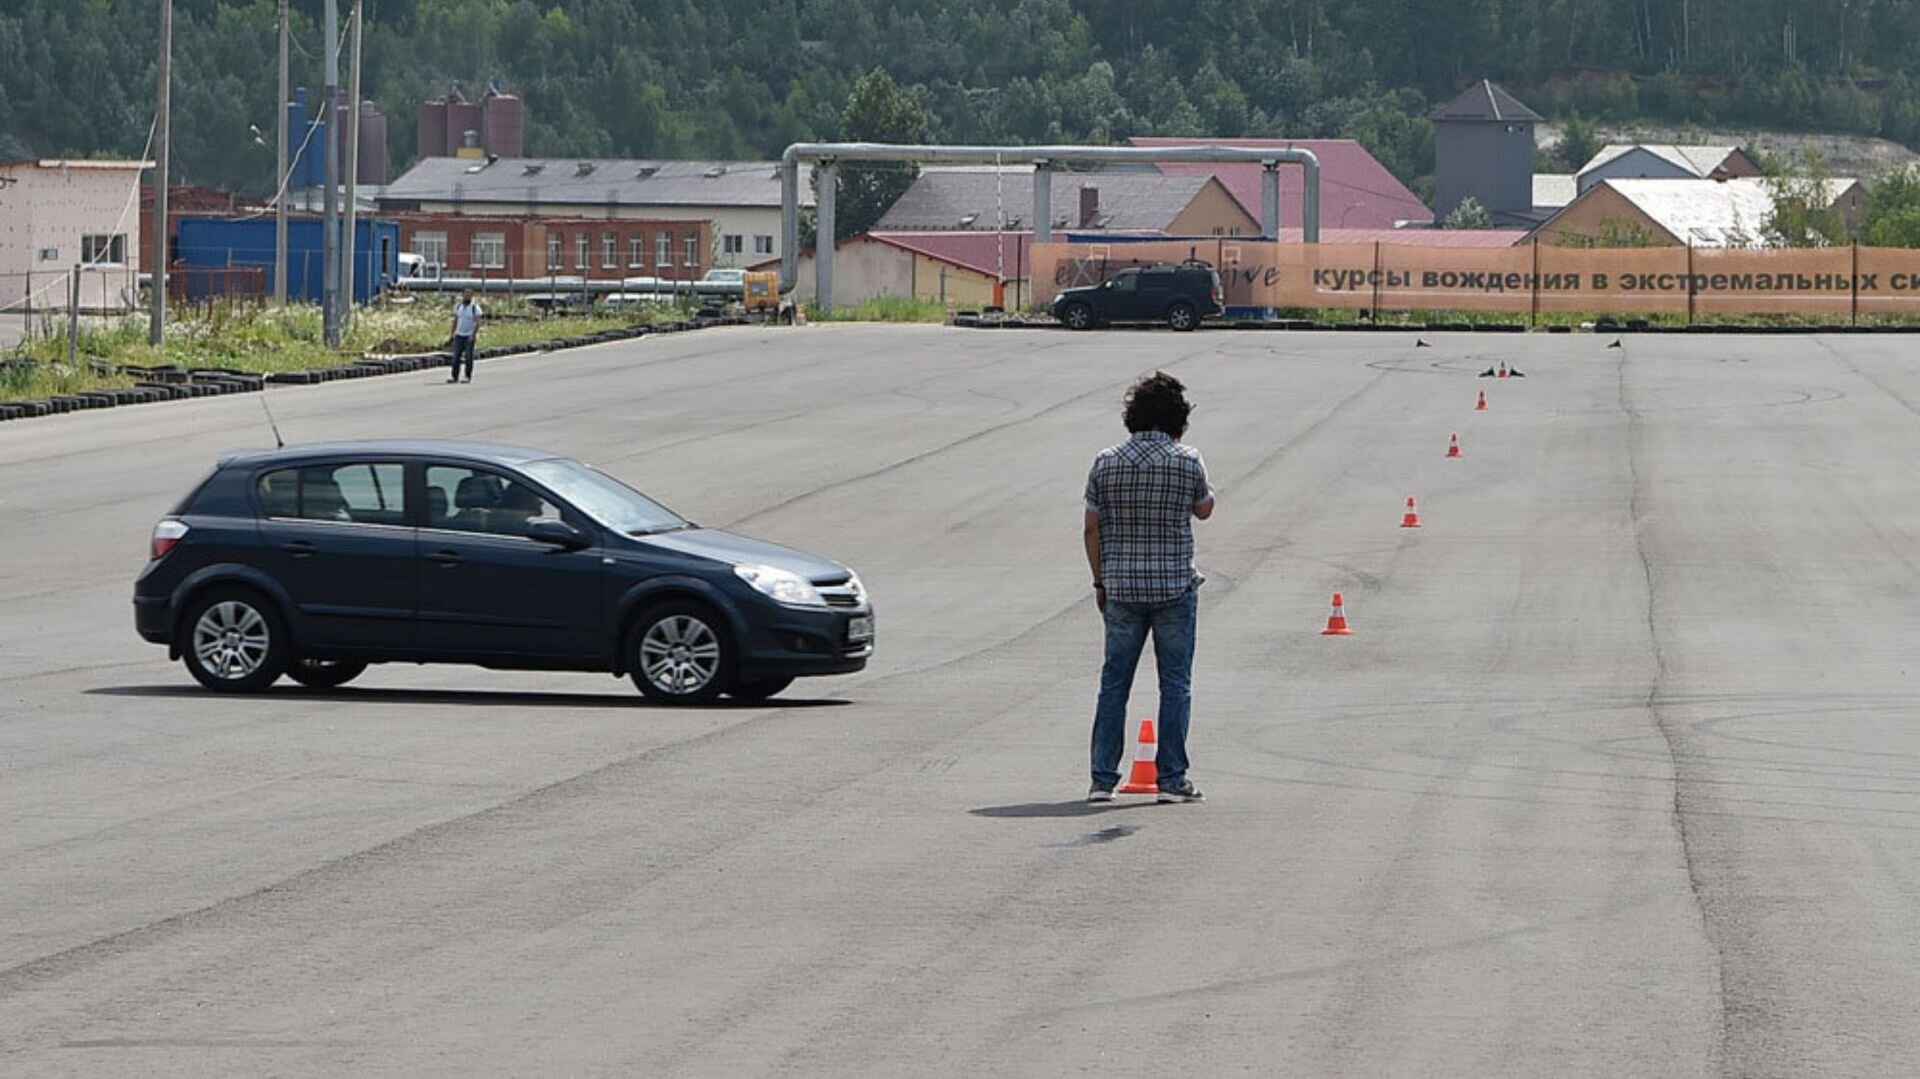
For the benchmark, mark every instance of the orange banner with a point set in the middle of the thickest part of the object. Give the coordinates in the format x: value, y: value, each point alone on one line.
x: 1826, y: 283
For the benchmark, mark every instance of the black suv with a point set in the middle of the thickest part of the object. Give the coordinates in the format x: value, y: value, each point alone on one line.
x: 1179, y: 296
x: 314, y: 561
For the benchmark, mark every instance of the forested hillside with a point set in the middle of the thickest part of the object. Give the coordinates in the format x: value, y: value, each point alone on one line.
x: 742, y: 78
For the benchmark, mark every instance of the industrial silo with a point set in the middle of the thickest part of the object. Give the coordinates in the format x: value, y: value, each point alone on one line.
x: 373, y: 146
x: 506, y: 125
x: 433, y: 128
x: 462, y: 117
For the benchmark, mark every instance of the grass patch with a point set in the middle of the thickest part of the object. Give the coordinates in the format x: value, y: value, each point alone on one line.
x: 269, y: 340
x: 885, y: 309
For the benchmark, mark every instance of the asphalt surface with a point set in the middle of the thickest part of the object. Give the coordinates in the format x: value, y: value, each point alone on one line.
x: 1616, y: 776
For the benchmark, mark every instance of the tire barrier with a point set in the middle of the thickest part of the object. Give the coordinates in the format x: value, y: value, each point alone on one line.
x: 173, y: 383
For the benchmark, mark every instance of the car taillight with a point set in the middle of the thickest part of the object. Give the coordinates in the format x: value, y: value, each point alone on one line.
x: 166, y: 536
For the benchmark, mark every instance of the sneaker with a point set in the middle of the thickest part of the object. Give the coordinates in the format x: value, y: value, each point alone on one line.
x: 1099, y: 794
x: 1186, y: 792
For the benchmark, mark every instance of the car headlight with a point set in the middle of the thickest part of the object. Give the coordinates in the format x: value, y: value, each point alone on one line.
x: 781, y: 586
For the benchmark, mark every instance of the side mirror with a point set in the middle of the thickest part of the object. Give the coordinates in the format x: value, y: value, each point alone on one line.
x: 1108, y: 283
x: 556, y: 532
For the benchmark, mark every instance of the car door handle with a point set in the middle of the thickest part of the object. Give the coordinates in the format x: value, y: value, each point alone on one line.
x: 298, y: 548
x: 446, y: 558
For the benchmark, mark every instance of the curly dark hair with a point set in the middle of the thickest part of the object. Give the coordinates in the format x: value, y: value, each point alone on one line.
x: 1157, y: 402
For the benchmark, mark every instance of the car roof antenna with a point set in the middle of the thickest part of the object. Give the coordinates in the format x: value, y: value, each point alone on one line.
x: 277, y: 443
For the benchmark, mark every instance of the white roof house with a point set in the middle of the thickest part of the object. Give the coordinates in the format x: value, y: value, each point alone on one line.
x: 1692, y: 212
x: 59, y: 214
x: 1622, y: 161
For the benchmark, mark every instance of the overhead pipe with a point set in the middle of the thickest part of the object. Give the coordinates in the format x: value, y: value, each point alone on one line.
x: 1043, y: 158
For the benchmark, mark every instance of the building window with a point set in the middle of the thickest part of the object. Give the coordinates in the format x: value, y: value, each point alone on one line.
x: 489, y: 250
x: 432, y: 249
x: 663, y: 250
x: 637, y: 250
x: 580, y: 245
x: 763, y: 245
x: 555, y: 256
x: 104, y: 250
x: 692, y: 257
x: 733, y: 244
x: 609, y: 250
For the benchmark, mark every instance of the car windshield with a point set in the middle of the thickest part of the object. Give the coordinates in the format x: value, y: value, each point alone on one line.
x: 604, y: 498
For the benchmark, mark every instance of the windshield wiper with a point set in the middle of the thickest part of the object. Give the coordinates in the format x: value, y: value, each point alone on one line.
x: 681, y: 527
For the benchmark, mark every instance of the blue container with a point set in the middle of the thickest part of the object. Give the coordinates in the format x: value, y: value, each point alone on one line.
x: 214, y: 243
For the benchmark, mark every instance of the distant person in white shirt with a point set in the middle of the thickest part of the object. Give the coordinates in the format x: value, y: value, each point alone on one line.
x: 466, y: 327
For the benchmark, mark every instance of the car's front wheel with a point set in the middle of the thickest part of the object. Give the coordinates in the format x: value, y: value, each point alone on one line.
x: 1077, y: 316
x: 325, y: 673
x: 235, y: 640
x: 681, y: 654
x: 1182, y: 316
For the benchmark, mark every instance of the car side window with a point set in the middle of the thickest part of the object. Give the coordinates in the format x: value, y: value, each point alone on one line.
x: 361, y: 493
x: 463, y: 499
x: 1125, y: 282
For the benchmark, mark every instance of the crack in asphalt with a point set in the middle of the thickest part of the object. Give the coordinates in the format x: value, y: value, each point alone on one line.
x: 1656, y: 710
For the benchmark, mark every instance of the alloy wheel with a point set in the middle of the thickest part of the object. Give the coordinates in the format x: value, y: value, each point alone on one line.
x: 680, y: 654
x: 232, y: 640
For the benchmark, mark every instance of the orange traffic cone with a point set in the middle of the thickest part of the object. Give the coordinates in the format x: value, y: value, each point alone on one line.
x: 1503, y: 368
x: 1145, y: 777
x: 1453, y: 447
x: 1412, y: 518
x: 1337, y: 621
x: 1482, y: 406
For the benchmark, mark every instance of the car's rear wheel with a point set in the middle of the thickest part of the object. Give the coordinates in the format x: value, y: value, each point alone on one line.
x: 1077, y: 316
x: 681, y: 654
x: 1183, y: 317
x: 325, y: 673
x: 758, y: 689
x: 235, y: 640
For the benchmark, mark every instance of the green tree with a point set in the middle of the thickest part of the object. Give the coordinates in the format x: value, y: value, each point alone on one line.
x: 1892, y: 216
x: 1468, y: 215
x: 1806, y: 212
x: 877, y: 111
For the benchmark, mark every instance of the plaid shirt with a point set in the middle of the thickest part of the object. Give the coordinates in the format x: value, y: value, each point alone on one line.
x: 1144, y: 491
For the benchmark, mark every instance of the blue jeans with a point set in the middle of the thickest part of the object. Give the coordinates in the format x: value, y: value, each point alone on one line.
x: 462, y: 347
x: 1172, y: 624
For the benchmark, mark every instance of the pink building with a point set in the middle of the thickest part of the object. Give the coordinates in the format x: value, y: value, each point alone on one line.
x: 55, y: 215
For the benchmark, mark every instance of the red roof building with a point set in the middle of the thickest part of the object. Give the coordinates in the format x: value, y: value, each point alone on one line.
x: 1356, y: 190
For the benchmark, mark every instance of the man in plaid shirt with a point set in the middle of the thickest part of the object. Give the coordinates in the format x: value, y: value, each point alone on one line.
x: 1142, y: 497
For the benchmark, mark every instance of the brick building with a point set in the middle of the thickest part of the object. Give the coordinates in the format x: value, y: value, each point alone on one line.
x: 598, y: 249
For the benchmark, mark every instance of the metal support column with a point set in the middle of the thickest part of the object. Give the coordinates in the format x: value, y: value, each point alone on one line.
x: 330, y: 204
x: 1270, y: 199
x: 163, y: 142
x: 1042, y: 202
x: 823, y: 247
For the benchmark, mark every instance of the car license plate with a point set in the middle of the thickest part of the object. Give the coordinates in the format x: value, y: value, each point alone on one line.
x: 860, y: 629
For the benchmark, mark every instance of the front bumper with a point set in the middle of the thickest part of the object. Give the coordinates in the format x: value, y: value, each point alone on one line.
x: 800, y: 643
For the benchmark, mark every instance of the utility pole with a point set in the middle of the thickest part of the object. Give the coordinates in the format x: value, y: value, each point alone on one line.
x: 157, y: 322
x: 281, y: 170
x: 330, y: 214
x: 353, y: 169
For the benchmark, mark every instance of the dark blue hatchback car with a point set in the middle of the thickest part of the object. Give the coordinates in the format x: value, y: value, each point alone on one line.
x: 314, y: 561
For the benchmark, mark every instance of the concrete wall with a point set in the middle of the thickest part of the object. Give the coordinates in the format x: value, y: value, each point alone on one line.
x: 44, y: 212
x: 866, y: 269
x: 1214, y: 212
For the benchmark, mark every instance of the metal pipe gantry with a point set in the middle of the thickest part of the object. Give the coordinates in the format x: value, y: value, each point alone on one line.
x: 828, y: 155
